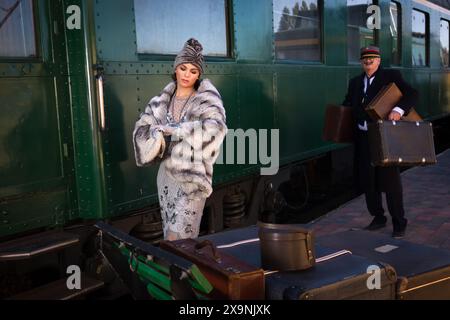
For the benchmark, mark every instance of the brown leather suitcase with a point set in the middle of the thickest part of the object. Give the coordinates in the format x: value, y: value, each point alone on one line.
x: 231, y: 278
x: 383, y: 103
x: 401, y: 143
x: 412, y: 116
x: 338, y: 126
x: 286, y: 247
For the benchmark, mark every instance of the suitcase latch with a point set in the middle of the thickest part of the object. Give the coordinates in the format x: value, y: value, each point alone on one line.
x: 400, y: 160
x: 232, y: 269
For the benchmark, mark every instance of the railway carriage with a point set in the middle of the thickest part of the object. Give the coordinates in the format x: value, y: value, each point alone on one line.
x: 75, y: 75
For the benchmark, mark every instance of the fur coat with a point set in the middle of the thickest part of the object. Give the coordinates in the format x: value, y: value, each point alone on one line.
x: 195, y: 145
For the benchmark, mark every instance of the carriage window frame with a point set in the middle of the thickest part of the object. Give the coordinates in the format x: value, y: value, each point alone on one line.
x: 37, y: 58
x: 319, y: 61
x: 399, y: 34
x: 427, y: 38
x: 448, y: 39
x: 376, y: 35
x: 229, y: 31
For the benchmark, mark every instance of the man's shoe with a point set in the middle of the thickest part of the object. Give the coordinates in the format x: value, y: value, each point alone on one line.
x: 398, y: 234
x: 376, y: 224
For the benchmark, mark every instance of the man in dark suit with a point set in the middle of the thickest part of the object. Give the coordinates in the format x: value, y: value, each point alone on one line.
x: 374, y: 180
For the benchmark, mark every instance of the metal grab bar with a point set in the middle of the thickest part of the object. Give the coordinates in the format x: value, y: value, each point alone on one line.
x: 100, y: 100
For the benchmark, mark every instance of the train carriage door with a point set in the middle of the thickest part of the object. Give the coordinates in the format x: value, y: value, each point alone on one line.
x: 35, y: 122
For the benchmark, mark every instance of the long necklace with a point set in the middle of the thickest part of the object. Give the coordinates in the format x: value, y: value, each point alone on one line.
x: 171, y: 113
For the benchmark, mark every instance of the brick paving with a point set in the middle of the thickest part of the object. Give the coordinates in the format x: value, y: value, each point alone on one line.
x: 426, y: 193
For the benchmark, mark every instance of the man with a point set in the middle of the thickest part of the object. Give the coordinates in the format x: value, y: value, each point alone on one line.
x: 374, y: 180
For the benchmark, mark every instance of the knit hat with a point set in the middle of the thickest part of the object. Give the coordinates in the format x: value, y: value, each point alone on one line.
x: 191, y: 53
x: 370, y: 52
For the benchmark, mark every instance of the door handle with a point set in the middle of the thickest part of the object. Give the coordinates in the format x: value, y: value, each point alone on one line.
x: 100, y: 97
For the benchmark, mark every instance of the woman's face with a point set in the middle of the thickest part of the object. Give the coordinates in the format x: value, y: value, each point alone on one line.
x: 187, y: 74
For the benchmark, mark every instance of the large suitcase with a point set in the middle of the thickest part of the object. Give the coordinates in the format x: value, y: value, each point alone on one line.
x: 336, y: 275
x: 231, y: 277
x: 401, y: 143
x: 338, y: 126
x: 383, y: 103
x: 423, y: 272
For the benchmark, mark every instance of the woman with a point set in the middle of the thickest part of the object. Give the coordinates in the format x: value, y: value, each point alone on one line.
x: 190, y: 114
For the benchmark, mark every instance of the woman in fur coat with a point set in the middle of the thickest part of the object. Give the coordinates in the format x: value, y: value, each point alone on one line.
x: 184, y: 126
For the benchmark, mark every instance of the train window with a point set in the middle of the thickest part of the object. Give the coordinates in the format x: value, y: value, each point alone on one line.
x: 17, y: 32
x: 444, y: 43
x: 297, y: 30
x: 358, y: 34
x: 395, y: 30
x: 162, y: 27
x: 419, y: 39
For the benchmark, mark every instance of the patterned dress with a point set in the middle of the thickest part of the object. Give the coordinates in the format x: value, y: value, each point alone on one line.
x: 181, y: 216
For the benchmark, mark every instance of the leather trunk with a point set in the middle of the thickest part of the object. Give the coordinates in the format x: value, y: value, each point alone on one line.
x: 336, y: 275
x: 338, y: 126
x: 231, y: 277
x: 383, y: 103
x: 423, y: 272
x: 401, y: 143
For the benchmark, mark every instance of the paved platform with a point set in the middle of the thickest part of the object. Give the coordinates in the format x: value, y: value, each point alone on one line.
x: 426, y: 192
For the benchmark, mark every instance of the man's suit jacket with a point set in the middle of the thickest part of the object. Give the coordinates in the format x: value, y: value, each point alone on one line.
x: 382, y: 78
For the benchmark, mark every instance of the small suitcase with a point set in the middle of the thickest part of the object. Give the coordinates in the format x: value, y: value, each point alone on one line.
x: 423, y: 272
x: 412, y: 116
x: 336, y: 275
x: 383, y: 103
x: 401, y: 143
x: 338, y: 126
x: 231, y: 277
x: 386, y: 99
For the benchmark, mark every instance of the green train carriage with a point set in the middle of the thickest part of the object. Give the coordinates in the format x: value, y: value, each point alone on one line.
x: 74, y: 76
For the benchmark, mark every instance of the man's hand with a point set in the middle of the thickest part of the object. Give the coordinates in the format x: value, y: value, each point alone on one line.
x: 394, y: 116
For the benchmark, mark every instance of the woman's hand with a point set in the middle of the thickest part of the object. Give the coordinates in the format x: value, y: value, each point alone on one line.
x: 166, y: 130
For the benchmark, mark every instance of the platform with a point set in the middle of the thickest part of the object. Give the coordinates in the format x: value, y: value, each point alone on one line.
x: 426, y: 192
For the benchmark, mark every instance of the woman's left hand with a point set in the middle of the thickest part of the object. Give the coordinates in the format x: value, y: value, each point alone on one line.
x: 166, y: 130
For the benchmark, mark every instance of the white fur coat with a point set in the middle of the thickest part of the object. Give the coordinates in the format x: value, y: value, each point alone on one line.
x: 196, y: 143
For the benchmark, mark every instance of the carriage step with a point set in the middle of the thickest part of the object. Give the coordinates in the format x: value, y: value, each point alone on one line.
x: 35, y: 245
x: 58, y: 290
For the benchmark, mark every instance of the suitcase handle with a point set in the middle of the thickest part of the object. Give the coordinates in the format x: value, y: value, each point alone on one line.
x: 207, y: 243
